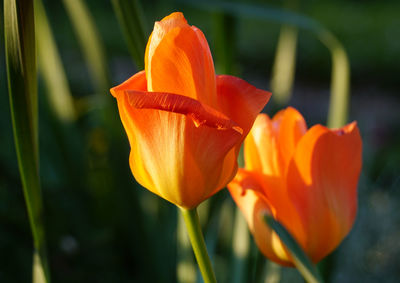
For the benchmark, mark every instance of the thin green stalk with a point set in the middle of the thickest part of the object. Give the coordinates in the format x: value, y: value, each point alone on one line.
x: 224, y: 27
x: 51, y: 68
x: 90, y: 42
x: 285, y: 60
x: 20, y: 53
x: 241, y: 247
x: 131, y: 18
x: 199, y: 247
x: 186, y: 268
x: 284, y: 65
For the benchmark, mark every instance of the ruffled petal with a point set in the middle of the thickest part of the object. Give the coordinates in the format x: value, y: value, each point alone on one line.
x: 170, y: 155
x: 201, y: 114
x: 322, y: 185
x: 178, y: 60
x: 246, y: 191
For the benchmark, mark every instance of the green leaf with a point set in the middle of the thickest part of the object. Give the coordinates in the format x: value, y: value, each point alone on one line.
x: 284, y: 65
x: 19, y: 33
x: 240, y: 247
x: 131, y: 18
x: 90, y: 42
x: 285, y: 60
x: 50, y: 65
x: 224, y: 28
x: 340, y: 79
x: 300, y: 259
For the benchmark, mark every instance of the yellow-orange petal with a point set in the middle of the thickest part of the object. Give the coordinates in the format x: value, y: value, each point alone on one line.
x: 246, y: 191
x: 181, y: 63
x: 160, y: 29
x: 260, y: 148
x: 292, y: 127
x: 170, y: 155
x: 322, y: 184
x: 271, y: 143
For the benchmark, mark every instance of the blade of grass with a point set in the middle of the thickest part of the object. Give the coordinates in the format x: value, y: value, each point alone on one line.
x: 241, y: 248
x: 38, y: 275
x: 284, y: 65
x: 224, y: 28
x: 240, y: 240
x: 300, y: 259
x: 285, y: 60
x: 272, y: 273
x: 59, y: 94
x: 131, y: 18
x: 340, y: 84
x: 19, y: 33
x: 340, y: 79
x: 90, y: 42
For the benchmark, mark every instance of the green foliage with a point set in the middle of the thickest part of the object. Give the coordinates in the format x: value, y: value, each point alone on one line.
x: 51, y: 68
x: 21, y: 72
x: 91, y: 44
x: 300, y: 259
x: 131, y: 19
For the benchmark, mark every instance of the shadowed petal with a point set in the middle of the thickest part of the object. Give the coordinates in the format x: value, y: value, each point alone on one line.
x: 247, y: 193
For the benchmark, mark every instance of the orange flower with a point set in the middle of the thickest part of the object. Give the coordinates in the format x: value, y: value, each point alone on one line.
x: 307, y: 180
x: 185, y: 125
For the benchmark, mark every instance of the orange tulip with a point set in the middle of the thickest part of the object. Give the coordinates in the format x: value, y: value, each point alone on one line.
x: 307, y: 180
x: 185, y: 125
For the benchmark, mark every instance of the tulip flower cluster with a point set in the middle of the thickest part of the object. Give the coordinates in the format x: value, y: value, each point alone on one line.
x: 186, y: 125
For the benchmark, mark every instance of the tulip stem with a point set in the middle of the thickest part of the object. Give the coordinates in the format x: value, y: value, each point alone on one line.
x: 199, y: 247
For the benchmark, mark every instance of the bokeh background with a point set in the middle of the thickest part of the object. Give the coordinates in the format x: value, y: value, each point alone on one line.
x: 103, y: 227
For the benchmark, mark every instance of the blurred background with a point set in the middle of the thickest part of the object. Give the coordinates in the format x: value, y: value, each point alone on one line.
x: 103, y: 227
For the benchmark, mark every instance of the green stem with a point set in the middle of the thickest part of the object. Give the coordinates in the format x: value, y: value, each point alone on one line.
x: 199, y: 247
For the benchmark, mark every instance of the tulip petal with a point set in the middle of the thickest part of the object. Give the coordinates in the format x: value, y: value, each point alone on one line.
x: 247, y: 193
x: 261, y: 143
x: 322, y: 185
x: 292, y: 127
x: 161, y: 28
x: 161, y: 132
x: 201, y: 114
x: 240, y: 101
x: 179, y: 61
x: 277, y: 139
